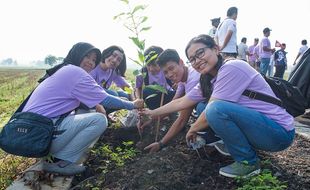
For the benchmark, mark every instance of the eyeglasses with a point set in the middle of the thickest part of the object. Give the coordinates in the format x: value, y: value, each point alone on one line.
x: 198, y: 55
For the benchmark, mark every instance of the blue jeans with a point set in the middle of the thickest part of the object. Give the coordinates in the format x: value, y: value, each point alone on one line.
x: 245, y: 130
x: 79, y: 132
x: 154, y: 102
x: 264, y: 65
x: 119, y: 93
x: 200, y: 107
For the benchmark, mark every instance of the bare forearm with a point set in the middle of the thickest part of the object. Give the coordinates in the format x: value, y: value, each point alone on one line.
x: 177, y: 126
x: 200, y: 124
x: 174, y: 106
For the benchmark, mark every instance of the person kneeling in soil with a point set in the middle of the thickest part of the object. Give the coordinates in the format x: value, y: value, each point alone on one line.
x: 244, y: 124
x: 186, y: 78
x: 63, y: 88
x: 153, y: 75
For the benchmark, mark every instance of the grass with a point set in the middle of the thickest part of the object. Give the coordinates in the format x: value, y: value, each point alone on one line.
x: 15, y: 85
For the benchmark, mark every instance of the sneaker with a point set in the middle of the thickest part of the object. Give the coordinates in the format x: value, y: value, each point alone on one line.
x: 210, y: 138
x: 63, y: 167
x: 238, y: 169
x: 222, y: 148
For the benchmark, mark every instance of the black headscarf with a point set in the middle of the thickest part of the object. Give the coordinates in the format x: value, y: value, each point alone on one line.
x: 74, y: 57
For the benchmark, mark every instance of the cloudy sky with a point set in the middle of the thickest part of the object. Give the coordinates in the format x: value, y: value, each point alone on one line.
x: 33, y: 29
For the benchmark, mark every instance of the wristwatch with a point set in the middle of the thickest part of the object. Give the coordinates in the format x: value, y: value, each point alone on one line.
x: 161, y: 145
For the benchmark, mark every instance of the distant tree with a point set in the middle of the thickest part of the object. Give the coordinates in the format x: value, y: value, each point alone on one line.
x: 50, y: 60
x: 8, y: 61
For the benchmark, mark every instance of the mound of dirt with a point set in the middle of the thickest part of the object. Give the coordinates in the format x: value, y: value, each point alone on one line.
x: 178, y: 167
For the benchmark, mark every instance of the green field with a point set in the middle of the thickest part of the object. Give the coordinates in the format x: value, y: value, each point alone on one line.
x: 15, y: 85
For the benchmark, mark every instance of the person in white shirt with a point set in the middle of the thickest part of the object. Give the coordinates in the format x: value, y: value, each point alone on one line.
x: 215, y: 23
x: 243, y: 50
x: 226, y: 34
x: 302, y: 49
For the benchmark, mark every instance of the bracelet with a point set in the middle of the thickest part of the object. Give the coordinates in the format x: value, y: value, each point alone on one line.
x: 161, y: 145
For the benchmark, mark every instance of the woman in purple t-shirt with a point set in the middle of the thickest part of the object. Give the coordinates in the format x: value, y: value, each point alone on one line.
x: 61, y: 91
x: 244, y: 124
x: 112, y: 68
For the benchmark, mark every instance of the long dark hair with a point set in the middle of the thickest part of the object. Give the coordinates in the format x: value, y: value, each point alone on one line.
x: 74, y: 57
x: 121, y: 69
x: 205, y: 79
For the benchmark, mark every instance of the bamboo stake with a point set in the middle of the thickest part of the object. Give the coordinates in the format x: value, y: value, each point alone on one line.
x: 158, y: 119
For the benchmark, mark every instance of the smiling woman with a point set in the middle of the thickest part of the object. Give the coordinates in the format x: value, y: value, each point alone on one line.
x: 245, y: 125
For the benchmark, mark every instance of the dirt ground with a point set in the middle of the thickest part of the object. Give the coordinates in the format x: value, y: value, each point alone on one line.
x: 178, y: 167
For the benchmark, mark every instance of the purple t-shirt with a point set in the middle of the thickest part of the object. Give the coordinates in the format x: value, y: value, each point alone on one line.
x: 265, y: 43
x: 64, y: 91
x: 157, y: 79
x: 105, y: 77
x: 252, y: 57
x: 234, y: 77
x: 192, y: 80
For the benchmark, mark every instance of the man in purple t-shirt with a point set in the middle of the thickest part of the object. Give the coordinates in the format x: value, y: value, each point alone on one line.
x: 265, y: 51
x: 186, y: 78
x: 252, y: 57
x: 153, y: 75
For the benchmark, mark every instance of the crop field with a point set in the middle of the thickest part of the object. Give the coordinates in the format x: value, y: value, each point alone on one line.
x: 15, y: 85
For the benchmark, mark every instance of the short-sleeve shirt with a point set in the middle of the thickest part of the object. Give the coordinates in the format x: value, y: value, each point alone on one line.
x: 302, y: 49
x: 64, y: 91
x: 256, y: 52
x: 105, y: 77
x: 252, y: 57
x: 223, y: 28
x: 242, y: 50
x: 280, y: 56
x: 234, y: 77
x: 193, y: 78
x: 157, y: 79
x: 265, y: 43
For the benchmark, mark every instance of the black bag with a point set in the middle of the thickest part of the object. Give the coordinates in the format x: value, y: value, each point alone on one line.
x: 27, y: 134
x: 290, y: 96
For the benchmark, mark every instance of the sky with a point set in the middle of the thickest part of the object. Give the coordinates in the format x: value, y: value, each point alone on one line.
x: 33, y: 29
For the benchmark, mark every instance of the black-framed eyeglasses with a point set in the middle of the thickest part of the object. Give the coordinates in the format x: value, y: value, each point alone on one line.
x: 198, y: 55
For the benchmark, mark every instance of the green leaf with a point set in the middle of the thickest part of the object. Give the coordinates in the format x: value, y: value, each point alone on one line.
x: 137, y: 62
x: 144, y: 19
x: 137, y: 42
x: 138, y: 7
x: 125, y: 1
x: 145, y: 28
x: 151, y: 96
x: 117, y: 16
x: 157, y: 87
x: 136, y: 72
x: 141, y: 57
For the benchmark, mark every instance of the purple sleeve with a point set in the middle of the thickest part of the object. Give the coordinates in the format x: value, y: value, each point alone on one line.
x: 87, y: 91
x: 230, y: 83
x: 120, y: 81
x: 195, y: 94
x: 139, y: 81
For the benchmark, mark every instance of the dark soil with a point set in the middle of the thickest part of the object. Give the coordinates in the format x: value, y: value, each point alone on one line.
x: 178, y: 167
